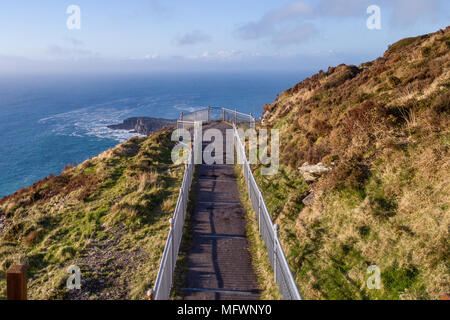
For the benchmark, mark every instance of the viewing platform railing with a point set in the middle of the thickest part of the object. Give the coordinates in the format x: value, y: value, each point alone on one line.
x: 268, y: 231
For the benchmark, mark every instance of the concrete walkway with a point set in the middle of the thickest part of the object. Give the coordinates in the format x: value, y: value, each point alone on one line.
x: 219, y: 265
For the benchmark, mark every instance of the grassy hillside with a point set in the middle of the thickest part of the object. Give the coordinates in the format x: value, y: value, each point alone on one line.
x: 109, y: 216
x: 383, y: 127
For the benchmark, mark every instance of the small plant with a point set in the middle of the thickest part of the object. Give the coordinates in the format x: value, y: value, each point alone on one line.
x: 426, y: 51
x: 442, y: 103
x: 394, y: 81
x: 94, y: 215
x: 385, y: 134
x: 409, y: 115
x: 147, y: 179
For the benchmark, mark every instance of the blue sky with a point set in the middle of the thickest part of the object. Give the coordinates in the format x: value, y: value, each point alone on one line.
x: 205, y: 35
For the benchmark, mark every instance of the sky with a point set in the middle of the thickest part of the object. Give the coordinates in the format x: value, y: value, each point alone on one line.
x: 203, y: 35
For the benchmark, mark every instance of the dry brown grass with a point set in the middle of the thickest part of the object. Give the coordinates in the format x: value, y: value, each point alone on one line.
x: 385, y: 127
x: 99, y: 215
x: 168, y: 205
x: 260, y: 260
x: 147, y: 179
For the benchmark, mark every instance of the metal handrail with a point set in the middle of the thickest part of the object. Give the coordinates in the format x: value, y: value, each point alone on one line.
x: 205, y: 115
x: 268, y: 231
x: 164, y: 279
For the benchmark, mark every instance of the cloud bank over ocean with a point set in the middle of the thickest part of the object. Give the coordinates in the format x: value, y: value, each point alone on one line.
x: 178, y: 36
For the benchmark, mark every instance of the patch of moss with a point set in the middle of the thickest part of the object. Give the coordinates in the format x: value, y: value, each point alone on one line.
x: 82, y: 211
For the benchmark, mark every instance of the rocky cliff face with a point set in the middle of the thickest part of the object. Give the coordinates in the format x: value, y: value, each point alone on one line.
x: 143, y: 125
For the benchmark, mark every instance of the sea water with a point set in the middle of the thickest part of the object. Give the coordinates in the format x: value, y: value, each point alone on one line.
x: 47, y: 122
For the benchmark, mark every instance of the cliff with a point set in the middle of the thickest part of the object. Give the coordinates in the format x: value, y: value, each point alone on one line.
x: 108, y: 215
x: 377, y: 133
x: 382, y: 129
x: 143, y: 125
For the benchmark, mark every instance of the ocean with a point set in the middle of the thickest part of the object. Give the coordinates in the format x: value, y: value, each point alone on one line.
x: 47, y: 122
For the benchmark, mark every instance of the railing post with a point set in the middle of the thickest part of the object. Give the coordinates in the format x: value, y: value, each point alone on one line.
x: 209, y: 113
x: 16, y: 283
x: 248, y: 176
x: 151, y: 294
x: 259, y: 210
x: 181, y: 116
x: 276, y: 227
x: 235, y: 116
x: 223, y: 114
x: 173, y: 242
x: 185, y: 196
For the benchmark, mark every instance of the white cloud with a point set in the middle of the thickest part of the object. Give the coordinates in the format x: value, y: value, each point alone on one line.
x: 151, y: 56
x: 294, y: 34
x: 300, y: 21
x: 281, y: 25
x: 192, y: 38
x: 219, y: 55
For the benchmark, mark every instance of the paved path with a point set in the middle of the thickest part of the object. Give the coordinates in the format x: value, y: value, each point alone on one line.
x: 219, y: 265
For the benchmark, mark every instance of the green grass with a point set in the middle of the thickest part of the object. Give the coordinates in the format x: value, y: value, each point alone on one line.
x: 180, y: 275
x: 384, y: 132
x: 258, y: 252
x: 125, y: 207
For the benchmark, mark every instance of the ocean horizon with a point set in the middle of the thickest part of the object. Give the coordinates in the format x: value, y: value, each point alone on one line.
x: 53, y: 120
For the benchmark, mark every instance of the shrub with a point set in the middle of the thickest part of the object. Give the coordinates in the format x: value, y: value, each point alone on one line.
x: 426, y: 51
x: 32, y: 237
x: 363, y: 117
x: 402, y: 44
x: 87, y: 184
x: 147, y: 179
x: 320, y: 127
x: 129, y: 148
x: 442, y: 103
x: 340, y: 75
x: 394, y: 81
x: 168, y: 205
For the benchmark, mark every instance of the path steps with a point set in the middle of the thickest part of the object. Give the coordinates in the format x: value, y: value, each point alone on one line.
x: 219, y: 263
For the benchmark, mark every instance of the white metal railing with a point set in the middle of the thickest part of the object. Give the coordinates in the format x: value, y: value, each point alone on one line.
x: 240, y: 119
x: 267, y: 230
x: 185, y: 124
x: 164, y: 280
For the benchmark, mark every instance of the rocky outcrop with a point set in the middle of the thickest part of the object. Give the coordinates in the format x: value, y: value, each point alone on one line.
x: 143, y: 125
x: 312, y: 172
x: 309, y: 199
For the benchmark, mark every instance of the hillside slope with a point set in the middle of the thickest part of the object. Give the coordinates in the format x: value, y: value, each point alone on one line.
x: 383, y: 128
x: 109, y: 216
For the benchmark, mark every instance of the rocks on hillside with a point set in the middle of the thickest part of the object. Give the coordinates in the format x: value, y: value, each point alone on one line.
x: 312, y: 172
x: 309, y: 199
x: 143, y: 125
